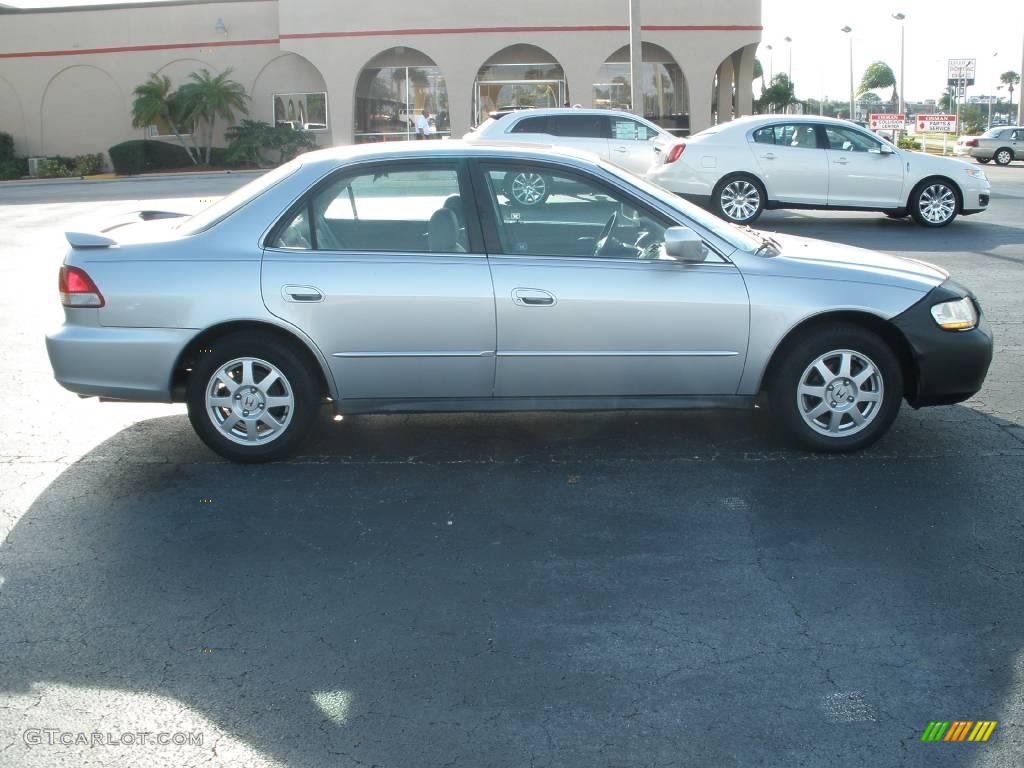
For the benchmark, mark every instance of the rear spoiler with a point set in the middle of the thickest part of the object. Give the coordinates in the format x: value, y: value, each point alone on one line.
x: 88, y: 240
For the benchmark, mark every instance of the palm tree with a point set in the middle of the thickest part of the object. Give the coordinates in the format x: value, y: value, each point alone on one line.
x: 878, y: 75
x: 155, y: 101
x: 1009, y: 79
x: 207, y: 97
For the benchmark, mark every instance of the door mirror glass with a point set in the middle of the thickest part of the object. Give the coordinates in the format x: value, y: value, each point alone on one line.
x: 884, y: 149
x: 683, y: 244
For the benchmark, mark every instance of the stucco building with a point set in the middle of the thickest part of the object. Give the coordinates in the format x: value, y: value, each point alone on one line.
x: 359, y: 71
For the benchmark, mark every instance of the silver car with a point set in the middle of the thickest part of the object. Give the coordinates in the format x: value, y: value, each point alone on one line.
x: 1004, y: 145
x: 401, y: 278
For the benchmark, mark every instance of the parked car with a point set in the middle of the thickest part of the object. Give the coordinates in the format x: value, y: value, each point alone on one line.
x: 399, y: 277
x: 740, y: 168
x: 1004, y: 145
x: 621, y: 138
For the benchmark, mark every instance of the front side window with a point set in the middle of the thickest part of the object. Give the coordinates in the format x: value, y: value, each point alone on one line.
x: 624, y: 129
x: 788, y: 135
x: 580, y: 217
x: 848, y: 140
x: 398, y: 208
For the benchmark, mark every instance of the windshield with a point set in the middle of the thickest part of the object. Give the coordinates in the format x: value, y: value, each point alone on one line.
x: 228, y: 204
x: 732, y: 234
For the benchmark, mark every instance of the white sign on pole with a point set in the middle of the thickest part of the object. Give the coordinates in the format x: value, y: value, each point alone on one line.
x: 937, y: 123
x: 961, y: 71
x: 880, y: 122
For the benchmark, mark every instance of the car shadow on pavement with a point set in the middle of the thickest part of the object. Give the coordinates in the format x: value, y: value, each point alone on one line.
x: 540, y: 589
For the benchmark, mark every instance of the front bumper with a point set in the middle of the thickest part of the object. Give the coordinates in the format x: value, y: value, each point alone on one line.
x: 119, y: 363
x: 950, y: 366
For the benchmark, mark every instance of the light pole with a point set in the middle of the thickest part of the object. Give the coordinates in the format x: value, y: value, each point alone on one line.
x: 771, y: 63
x: 789, y: 69
x: 847, y: 29
x: 902, y: 87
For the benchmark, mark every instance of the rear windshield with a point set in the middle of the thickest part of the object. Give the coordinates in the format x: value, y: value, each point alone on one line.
x: 992, y: 133
x: 227, y: 205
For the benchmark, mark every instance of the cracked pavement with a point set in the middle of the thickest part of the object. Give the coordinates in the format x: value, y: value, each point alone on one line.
x: 636, y: 589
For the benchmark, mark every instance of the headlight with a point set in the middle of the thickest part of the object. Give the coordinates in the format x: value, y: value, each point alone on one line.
x: 976, y: 173
x: 959, y: 315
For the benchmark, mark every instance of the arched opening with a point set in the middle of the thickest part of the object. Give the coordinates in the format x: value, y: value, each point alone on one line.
x: 393, y: 89
x: 518, y: 76
x: 69, y: 130
x: 666, y: 101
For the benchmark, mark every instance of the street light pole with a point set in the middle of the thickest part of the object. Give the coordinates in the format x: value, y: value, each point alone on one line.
x: 847, y: 29
x: 789, y: 69
x: 903, y: 86
x: 771, y: 63
x: 636, y: 95
x: 1020, y: 103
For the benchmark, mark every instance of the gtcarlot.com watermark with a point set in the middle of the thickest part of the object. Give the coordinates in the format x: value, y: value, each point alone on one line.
x: 51, y: 737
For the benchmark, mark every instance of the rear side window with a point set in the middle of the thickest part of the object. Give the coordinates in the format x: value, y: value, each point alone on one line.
x: 788, y: 135
x: 531, y: 125
x: 577, y: 126
x: 624, y: 129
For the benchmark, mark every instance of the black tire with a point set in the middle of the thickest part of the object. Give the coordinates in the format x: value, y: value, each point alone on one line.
x: 741, y: 193
x: 1003, y: 156
x: 794, y: 368
x: 297, y: 379
x: 983, y: 160
x: 526, y: 189
x: 928, y: 193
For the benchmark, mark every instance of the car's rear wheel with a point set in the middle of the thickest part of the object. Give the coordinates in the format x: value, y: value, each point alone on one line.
x: 837, y: 389
x: 739, y: 199
x: 526, y: 189
x: 251, y: 399
x: 1003, y: 156
x: 933, y: 203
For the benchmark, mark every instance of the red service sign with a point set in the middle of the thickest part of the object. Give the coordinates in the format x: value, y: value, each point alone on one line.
x: 879, y: 122
x: 937, y: 123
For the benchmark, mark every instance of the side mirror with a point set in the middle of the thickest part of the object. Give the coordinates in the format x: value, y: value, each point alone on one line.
x: 683, y: 244
x: 885, y: 149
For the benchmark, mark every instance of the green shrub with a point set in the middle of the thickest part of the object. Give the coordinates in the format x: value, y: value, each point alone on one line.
x: 6, y: 147
x: 15, y: 168
x: 221, y: 157
x: 905, y: 142
x: 65, y: 167
x: 143, y: 155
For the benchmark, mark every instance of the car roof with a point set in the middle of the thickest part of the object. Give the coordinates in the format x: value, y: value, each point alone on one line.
x: 445, y: 148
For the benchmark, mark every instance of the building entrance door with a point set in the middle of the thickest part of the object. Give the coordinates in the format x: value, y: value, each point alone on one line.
x: 500, y: 94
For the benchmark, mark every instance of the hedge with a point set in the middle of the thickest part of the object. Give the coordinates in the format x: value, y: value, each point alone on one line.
x: 6, y: 147
x: 142, y: 155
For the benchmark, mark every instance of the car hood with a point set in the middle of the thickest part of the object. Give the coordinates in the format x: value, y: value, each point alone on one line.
x: 806, y: 257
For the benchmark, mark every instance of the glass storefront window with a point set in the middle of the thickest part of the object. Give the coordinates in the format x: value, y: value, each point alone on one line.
x: 301, y: 111
x: 389, y: 99
x: 665, y: 101
x: 518, y: 77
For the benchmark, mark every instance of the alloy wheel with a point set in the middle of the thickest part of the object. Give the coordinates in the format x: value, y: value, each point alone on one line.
x: 937, y: 203
x: 529, y: 188
x: 840, y: 393
x: 1003, y: 157
x: 250, y: 401
x: 739, y: 200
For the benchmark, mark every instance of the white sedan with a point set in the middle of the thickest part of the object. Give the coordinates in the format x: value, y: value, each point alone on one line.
x: 740, y: 168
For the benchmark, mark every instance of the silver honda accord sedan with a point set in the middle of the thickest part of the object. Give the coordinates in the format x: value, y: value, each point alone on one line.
x: 401, y: 278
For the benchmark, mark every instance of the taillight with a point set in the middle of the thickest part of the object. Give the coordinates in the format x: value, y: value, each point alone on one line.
x: 77, y: 289
x: 971, y: 143
x: 674, y: 153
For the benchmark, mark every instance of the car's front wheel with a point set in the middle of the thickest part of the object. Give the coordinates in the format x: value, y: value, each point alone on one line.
x: 933, y: 203
x: 251, y: 399
x: 837, y: 389
x: 1003, y: 156
x: 739, y: 199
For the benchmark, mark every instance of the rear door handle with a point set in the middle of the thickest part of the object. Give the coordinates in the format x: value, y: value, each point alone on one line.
x: 532, y: 297
x: 306, y: 294
x: 841, y: 161
x: 621, y: 149
x: 768, y: 156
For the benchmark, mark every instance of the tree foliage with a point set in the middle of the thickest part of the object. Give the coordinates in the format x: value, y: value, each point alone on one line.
x: 878, y: 75
x: 778, y: 95
x: 250, y: 138
x: 154, y: 101
x: 207, y: 97
x: 1009, y: 77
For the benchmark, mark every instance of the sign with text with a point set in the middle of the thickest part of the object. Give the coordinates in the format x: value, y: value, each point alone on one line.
x: 937, y: 123
x: 879, y: 122
x: 961, y: 71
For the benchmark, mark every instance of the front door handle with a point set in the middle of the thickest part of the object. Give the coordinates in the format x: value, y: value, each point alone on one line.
x: 841, y: 161
x: 306, y: 294
x: 532, y: 297
x: 621, y: 149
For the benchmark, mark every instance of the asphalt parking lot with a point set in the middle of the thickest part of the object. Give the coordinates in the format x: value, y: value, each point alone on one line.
x: 638, y: 589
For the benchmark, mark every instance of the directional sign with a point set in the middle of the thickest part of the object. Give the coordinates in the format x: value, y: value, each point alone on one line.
x: 937, y: 123
x: 961, y: 71
x: 886, y: 122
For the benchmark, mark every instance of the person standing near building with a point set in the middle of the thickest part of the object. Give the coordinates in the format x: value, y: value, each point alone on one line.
x: 423, y: 124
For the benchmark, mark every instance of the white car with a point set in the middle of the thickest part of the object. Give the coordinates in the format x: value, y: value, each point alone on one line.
x: 740, y: 168
x: 621, y: 138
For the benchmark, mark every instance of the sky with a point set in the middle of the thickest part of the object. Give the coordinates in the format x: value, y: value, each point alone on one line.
x: 991, y: 31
